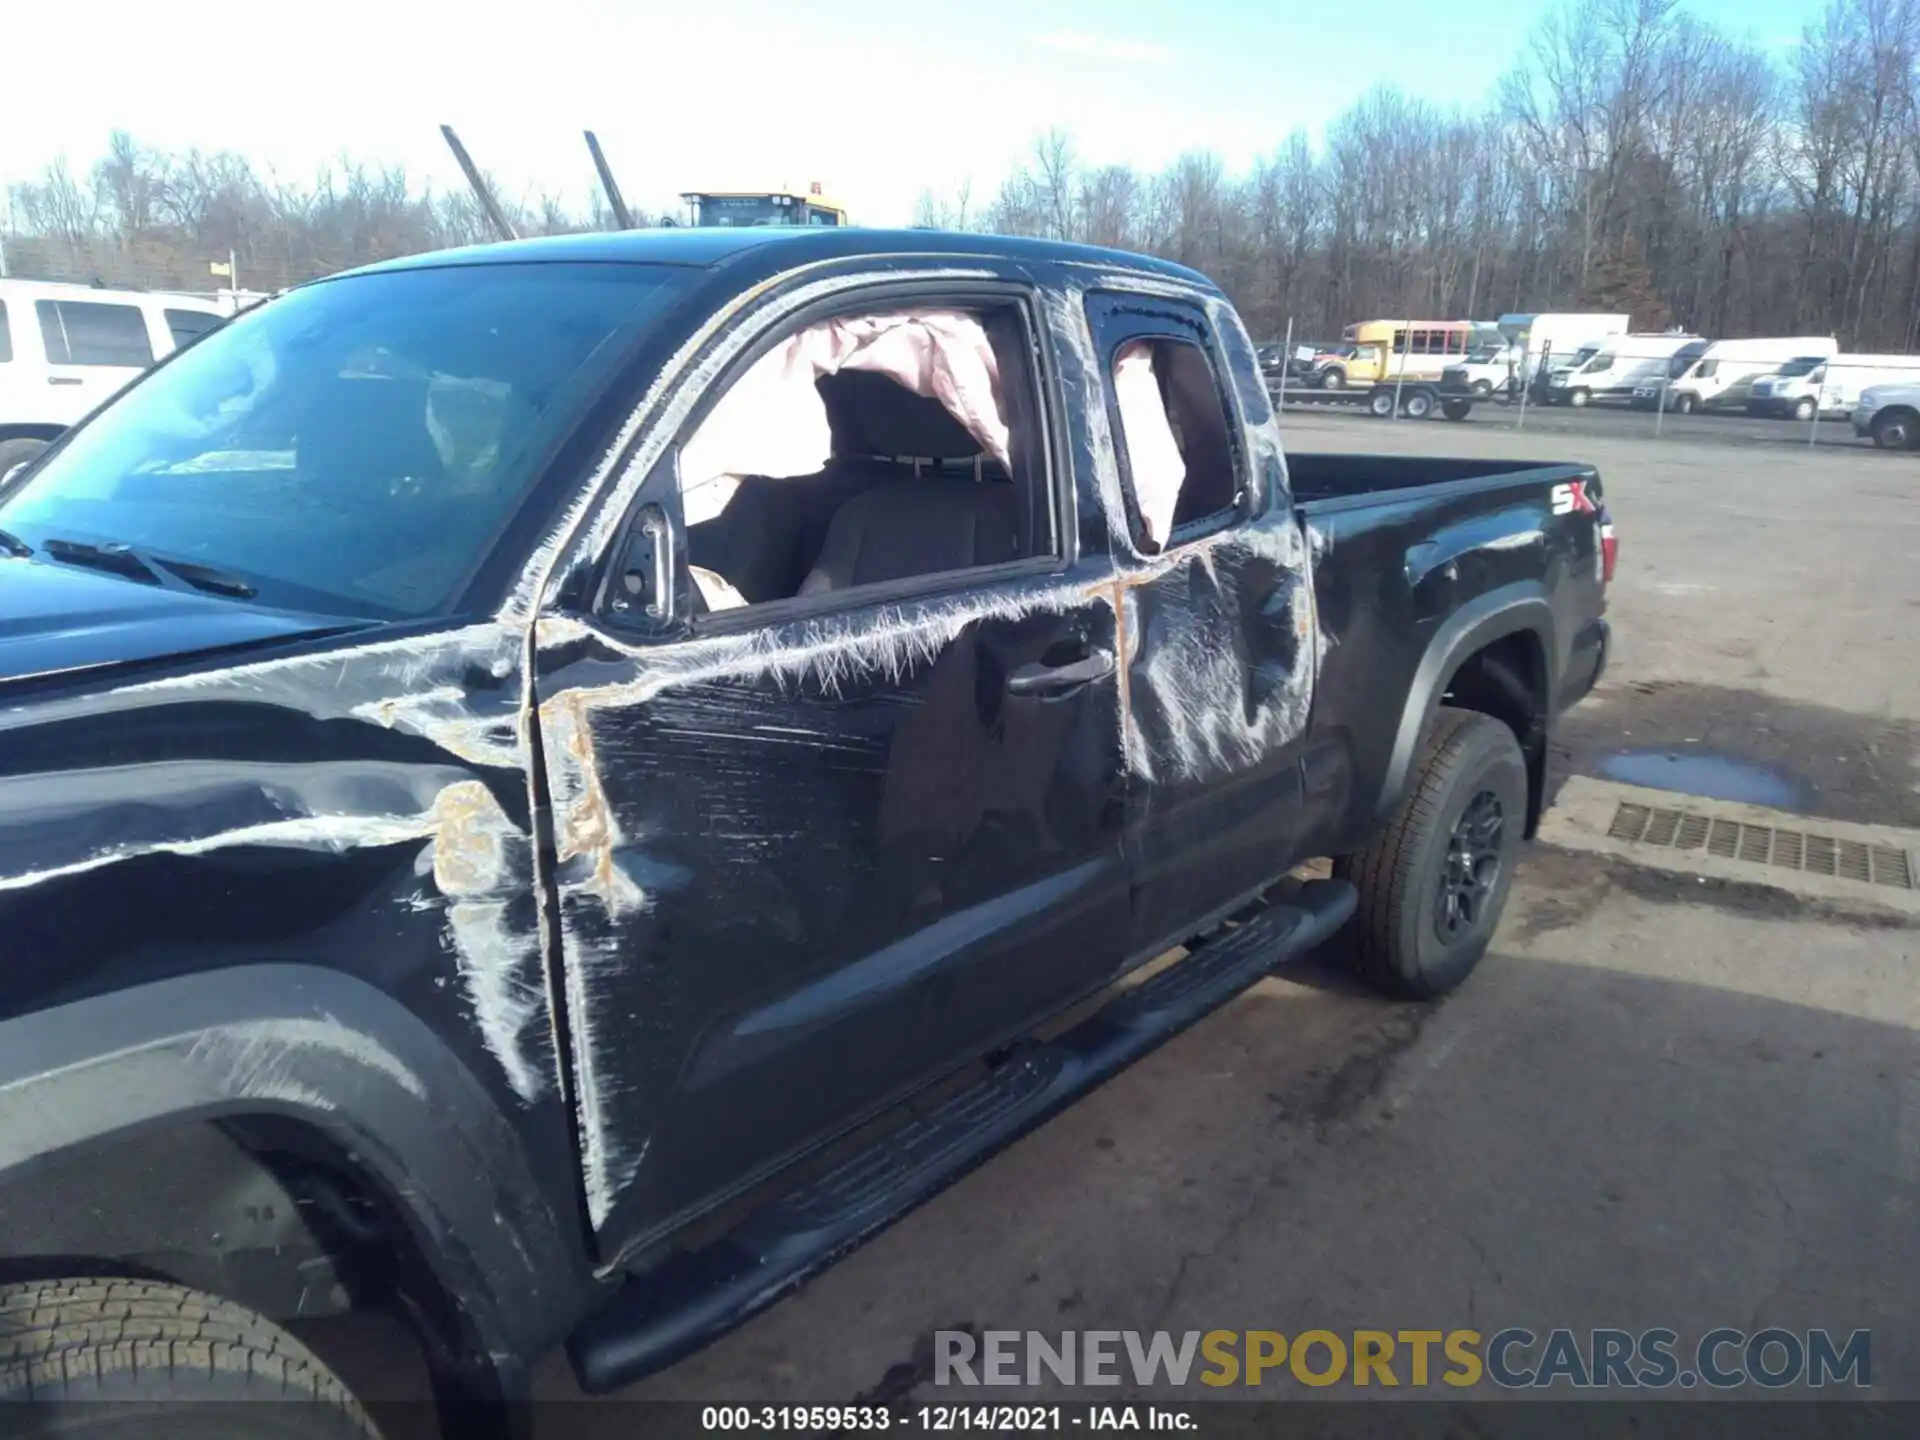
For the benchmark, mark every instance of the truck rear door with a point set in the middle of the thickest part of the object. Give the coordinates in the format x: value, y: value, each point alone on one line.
x: 1215, y: 602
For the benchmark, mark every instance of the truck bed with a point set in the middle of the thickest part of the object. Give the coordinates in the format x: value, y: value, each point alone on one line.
x: 1322, y: 477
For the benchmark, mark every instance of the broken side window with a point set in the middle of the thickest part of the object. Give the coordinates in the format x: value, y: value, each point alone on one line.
x: 865, y: 449
x: 1177, y: 457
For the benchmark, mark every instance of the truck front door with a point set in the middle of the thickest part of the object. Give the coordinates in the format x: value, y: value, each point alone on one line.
x: 817, y: 848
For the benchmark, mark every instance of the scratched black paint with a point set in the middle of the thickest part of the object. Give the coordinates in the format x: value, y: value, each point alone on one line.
x: 802, y: 892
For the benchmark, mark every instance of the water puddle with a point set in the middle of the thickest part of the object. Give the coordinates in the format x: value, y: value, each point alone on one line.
x: 1697, y: 772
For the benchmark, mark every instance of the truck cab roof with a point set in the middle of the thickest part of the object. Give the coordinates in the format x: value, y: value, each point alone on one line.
x: 774, y: 248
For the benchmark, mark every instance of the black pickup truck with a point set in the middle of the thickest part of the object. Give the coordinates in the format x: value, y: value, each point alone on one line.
x: 555, y: 789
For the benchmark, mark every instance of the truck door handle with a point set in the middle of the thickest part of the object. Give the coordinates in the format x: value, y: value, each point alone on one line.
x: 63, y: 379
x: 1038, y: 679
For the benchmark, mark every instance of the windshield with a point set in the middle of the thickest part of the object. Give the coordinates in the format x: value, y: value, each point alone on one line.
x: 1804, y: 365
x: 354, y: 447
x: 749, y: 210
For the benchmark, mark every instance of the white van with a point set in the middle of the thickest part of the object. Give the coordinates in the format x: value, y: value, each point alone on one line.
x: 1554, y: 337
x: 1619, y: 365
x: 66, y: 349
x: 1724, y: 376
x: 1833, y: 387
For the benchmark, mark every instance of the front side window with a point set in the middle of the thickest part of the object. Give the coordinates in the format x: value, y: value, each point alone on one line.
x: 865, y: 449
x: 90, y: 332
x: 186, y: 325
x: 6, y: 335
x: 354, y: 447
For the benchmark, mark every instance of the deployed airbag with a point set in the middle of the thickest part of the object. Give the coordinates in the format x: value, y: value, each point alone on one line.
x: 774, y: 423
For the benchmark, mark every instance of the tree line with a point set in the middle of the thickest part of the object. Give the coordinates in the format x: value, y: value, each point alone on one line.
x: 1636, y: 159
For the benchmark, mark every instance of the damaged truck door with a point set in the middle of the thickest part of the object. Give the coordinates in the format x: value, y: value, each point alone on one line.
x: 843, y: 806
x: 1216, y: 608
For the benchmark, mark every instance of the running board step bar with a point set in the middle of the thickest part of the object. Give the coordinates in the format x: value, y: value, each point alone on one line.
x: 697, y: 1296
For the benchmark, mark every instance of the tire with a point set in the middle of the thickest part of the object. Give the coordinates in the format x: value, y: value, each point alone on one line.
x: 1380, y: 403
x: 1334, y: 379
x: 155, y: 1350
x: 1580, y: 399
x: 1895, y: 430
x: 1419, y: 405
x: 1456, y: 409
x: 1805, y: 410
x: 15, y: 453
x: 1482, y: 389
x: 1415, y: 934
x: 1683, y: 404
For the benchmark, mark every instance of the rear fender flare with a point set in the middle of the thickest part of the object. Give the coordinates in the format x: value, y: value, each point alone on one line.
x: 1520, y: 608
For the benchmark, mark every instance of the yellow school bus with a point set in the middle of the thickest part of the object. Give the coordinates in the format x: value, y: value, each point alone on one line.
x: 763, y: 207
x: 1392, y: 349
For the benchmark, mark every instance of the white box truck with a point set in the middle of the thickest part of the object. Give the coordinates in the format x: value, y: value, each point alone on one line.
x: 1723, y: 377
x: 1550, y: 337
x: 1832, y: 386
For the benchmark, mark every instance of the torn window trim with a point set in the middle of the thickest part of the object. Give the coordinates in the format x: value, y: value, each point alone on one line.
x: 773, y: 322
x: 1114, y: 316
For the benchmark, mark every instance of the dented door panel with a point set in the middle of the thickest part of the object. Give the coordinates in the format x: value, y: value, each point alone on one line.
x: 1219, y: 643
x: 805, y: 869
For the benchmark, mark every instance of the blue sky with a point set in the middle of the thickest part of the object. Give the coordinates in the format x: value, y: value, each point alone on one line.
x: 874, y: 98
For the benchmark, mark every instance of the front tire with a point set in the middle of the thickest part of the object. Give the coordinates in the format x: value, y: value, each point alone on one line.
x: 1434, y: 881
x: 1580, y: 399
x: 1335, y: 379
x: 1804, y: 410
x: 1684, y: 404
x: 1482, y: 389
x: 165, y: 1356
x: 1895, y: 430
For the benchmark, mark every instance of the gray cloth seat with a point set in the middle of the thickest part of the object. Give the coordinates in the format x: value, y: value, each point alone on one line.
x: 916, y: 526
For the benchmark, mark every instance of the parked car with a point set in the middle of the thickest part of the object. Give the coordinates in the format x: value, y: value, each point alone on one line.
x: 557, y: 788
x: 1890, y: 414
x: 65, y: 349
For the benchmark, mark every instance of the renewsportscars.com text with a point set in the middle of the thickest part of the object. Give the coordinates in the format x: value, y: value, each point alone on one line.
x: 1514, y: 1358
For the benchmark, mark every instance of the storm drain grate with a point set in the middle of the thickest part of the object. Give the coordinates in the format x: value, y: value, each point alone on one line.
x: 1765, y: 845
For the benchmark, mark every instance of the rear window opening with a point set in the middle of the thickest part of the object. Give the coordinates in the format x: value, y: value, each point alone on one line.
x: 868, y: 449
x: 1182, y: 470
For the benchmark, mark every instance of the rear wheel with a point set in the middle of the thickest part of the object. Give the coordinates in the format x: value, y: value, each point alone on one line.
x: 1434, y: 881
x: 1419, y: 405
x: 165, y: 1356
x: 1381, y: 403
x: 1895, y: 430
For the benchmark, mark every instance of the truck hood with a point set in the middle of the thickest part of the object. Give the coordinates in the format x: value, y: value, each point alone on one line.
x: 55, y: 618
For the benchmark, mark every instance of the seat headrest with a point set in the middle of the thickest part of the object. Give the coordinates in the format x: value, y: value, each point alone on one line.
x: 873, y: 415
